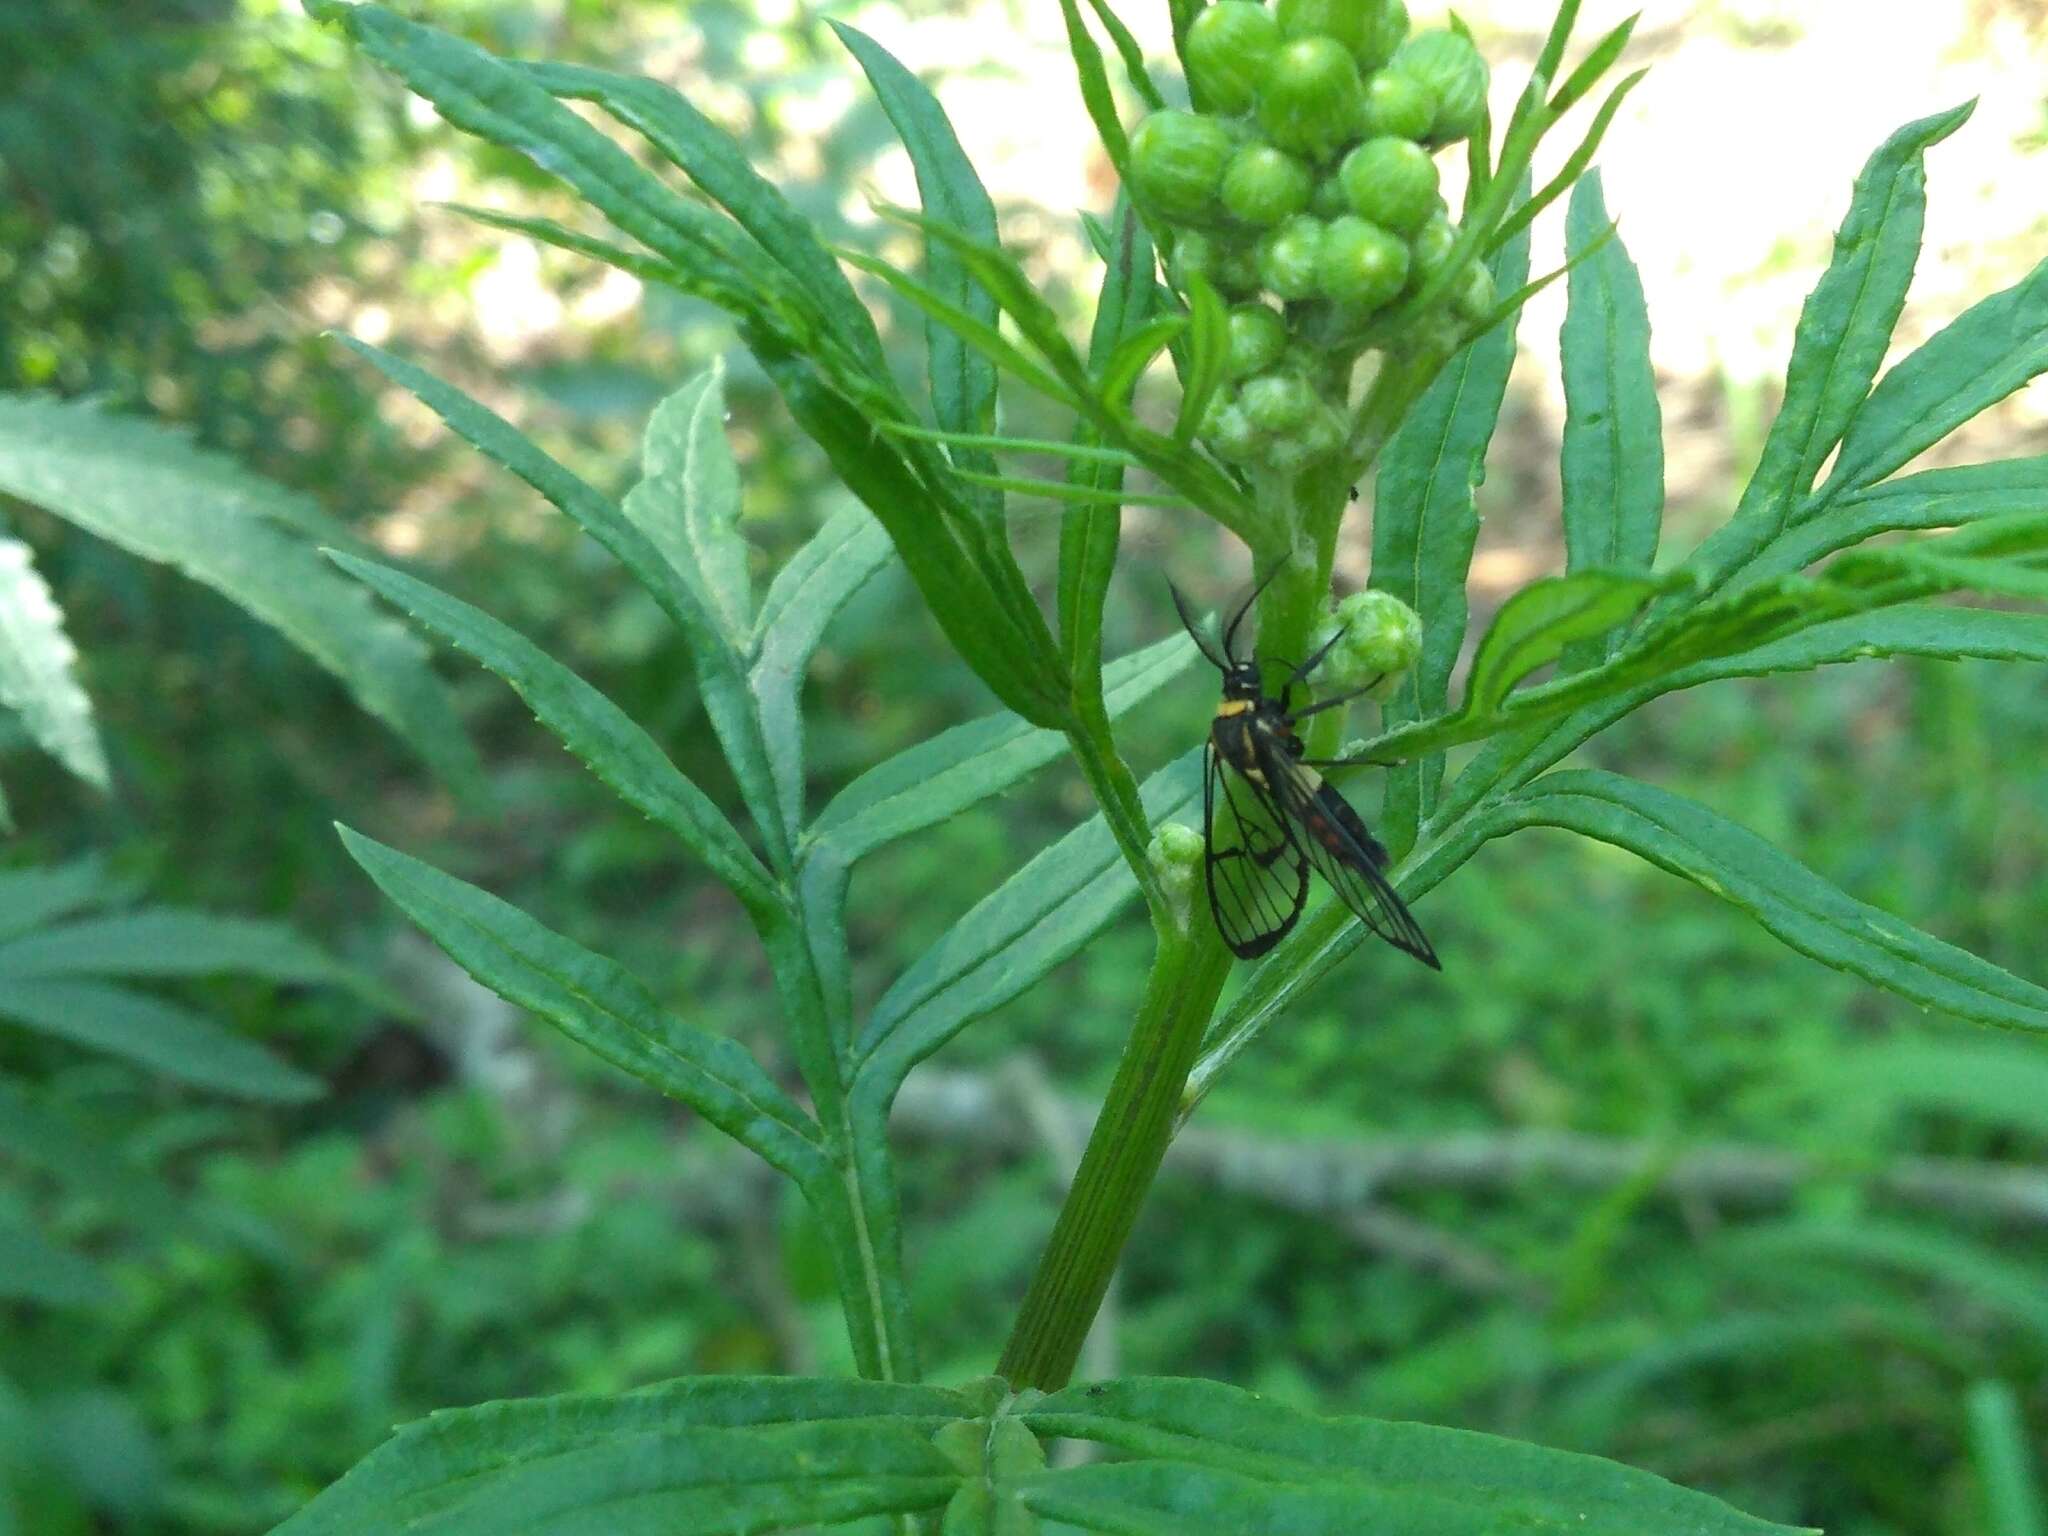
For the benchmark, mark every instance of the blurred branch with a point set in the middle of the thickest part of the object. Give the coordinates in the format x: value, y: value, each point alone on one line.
x: 1334, y: 1177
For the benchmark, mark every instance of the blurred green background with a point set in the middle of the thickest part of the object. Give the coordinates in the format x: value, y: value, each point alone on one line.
x: 1663, y: 1189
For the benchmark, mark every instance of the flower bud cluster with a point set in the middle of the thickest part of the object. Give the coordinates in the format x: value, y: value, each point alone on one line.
x: 1305, y: 193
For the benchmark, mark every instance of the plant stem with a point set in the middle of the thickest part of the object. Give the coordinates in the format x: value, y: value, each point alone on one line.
x: 1123, y: 1156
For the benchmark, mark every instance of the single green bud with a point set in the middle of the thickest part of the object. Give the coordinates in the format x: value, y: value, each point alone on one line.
x: 1279, y: 404
x: 1392, y: 182
x: 1430, y: 247
x: 1177, y: 164
x: 1314, y: 439
x: 1257, y: 338
x: 1176, y: 855
x: 1288, y: 257
x: 1227, y: 265
x: 1361, y: 266
x: 1382, y: 640
x: 1263, y: 185
x: 1472, y: 299
x: 1388, y: 34
x: 1350, y: 22
x: 1451, y: 70
x: 1314, y: 101
x: 1228, y: 48
x: 1228, y: 430
x: 1397, y: 106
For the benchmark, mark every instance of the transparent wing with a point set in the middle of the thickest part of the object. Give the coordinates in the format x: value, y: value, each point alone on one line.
x: 1343, y: 851
x: 1255, y: 869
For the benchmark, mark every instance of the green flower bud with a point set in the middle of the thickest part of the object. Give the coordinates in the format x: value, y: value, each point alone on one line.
x: 1228, y: 267
x: 1450, y: 68
x: 1398, y: 105
x: 1328, y: 201
x: 1177, y: 163
x: 1472, y: 299
x: 1314, y: 101
x: 1176, y: 856
x: 1257, y: 338
x: 1263, y: 185
x: 1391, y: 182
x: 1430, y: 247
x: 1228, y: 47
x: 1278, y: 404
x: 1350, y: 22
x: 1360, y: 266
x: 1229, y: 432
x: 1382, y: 640
x: 1316, y: 438
x: 1289, y: 257
x: 1389, y: 32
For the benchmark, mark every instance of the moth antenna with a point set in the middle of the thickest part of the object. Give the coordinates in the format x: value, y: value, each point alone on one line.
x: 1230, y: 634
x: 1187, y: 622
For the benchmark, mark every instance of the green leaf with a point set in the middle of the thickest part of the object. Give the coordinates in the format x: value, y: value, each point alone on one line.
x: 709, y: 157
x: 1613, y: 459
x: 937, y: 779
x: 972, y: 586
x: 150, y: 492
x: 1545, y: 619
x: 1932, y: 630
x: 1034, y: 921
x: 736, y: 1455
x: 804, y: 598
x: 1096, y: 95
x: 963, y: 384
x: 155, y: 1034
x: 165, y: 941
x: 38, y: 680
x: 1992, y: 349
x: 1844, y: 331
x: 600, y: 1005
x: 1801, y: 908
x: 30, y: 898
x: 720, y: 677
x: 32, y: 1268
x: 688, y: 501
x: 1089, y: 535
x: 1208, y: 355
x: 593, y: 728
x: 1221, y: 1460
x: 1425, y: 523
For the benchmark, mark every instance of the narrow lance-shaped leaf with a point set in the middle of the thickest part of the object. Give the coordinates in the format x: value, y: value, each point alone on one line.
x: 600, y: 1005
x: 708, y: 155
x: 967, y: 587
x: 720, y: 678
x: 1425, y: 523
x: 805, y: 596
x: 1096, y: 95
x: 1544, y: 621
x: 30, y: 898
x: 150, y: 492
x: 937, y: 779
x: 1213, y: 1458
x: 1799, y: 906
x: 168, y: 941
x: 1613, y: 457
x: 1035, y: 920
x: 463, y: 1469
x: 1089, y: 535
x: 688, y: 501
x: 38, y: 678
x: 155, y: 1034
x: 596, y: 730
x: 1844, y: 331
x: 963, y: 383
x: 1990, y: 350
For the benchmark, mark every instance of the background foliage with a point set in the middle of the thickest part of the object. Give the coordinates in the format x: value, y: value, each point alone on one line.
x: 1645, y: 1181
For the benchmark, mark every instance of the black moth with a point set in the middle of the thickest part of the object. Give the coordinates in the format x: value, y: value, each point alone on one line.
x: 1268, y: 815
